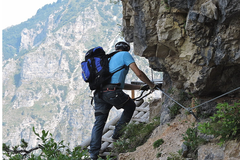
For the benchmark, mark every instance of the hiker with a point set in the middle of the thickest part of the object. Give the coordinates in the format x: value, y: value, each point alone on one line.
x: 112, y: 95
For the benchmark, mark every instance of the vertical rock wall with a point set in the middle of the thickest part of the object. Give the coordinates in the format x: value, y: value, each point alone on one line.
x: 197, y: 43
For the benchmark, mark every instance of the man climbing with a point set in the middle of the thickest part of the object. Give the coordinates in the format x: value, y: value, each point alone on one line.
x: 112, y: 95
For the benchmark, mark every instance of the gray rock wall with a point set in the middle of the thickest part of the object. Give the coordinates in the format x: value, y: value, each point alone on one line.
x: 196, y: 42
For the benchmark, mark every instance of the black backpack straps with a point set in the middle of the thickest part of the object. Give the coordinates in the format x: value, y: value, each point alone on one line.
x: 111, y: 54
x: 124, y: 66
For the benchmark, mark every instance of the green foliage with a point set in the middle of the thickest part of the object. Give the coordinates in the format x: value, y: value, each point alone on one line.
x: 171, y: 90
x: 175, y: 156
x: 159, y: 155
x: 174, y: 110
x: 166, y: 1
x: 192, y: 140
x: 49, y: 149
x: 224, y: 124
x: 108, y: 157
x: 134, y: 135
x: 157, y: 143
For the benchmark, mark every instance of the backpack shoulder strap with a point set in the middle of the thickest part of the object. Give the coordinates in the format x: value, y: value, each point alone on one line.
x: 124, y: 66
x: 111, y: 54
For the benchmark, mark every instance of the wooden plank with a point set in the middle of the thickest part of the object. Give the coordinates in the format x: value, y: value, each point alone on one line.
x: 146, y: 115
x: 104, y: 146
x: 139, y: 120
x: 111, y: 146
x: 146, y: 109
x: 135, y: 113
x: 111, y: 127
x: 107, y: 139
x: 139, y: 115
x: 108, y: 134
x: 143, y: 105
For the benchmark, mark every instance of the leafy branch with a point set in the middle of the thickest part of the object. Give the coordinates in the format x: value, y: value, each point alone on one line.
x: 49, y: 149
x: 225, y: 124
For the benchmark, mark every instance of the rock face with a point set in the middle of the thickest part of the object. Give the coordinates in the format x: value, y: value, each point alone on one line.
x: 172, y: 135
x: 197, y: 43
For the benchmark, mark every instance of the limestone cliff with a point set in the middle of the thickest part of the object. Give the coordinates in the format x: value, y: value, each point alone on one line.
x: 196, y: 43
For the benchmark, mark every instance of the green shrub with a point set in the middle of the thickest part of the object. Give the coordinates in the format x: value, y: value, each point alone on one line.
x: 174, y: 110
x: 157, y: 143
x: 49, y: 149
x: 134, y: 135
x: 225, y: 124
x: 192, y: 140
x: 159, y: 155
x: 175, y: 156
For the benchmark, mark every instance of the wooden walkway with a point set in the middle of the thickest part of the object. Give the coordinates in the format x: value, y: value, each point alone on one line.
x: 141, y: 114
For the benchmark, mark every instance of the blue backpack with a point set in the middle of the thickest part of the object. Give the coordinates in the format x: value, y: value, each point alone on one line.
x: 95, y: 68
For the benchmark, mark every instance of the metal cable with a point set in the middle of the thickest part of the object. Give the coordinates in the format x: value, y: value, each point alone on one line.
x: 190, y: 109
x: 172, y: 99
x: 215, y: 98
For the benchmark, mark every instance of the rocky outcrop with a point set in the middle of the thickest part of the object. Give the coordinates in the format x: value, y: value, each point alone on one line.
x: 197, y: 43
x: 172, y: 135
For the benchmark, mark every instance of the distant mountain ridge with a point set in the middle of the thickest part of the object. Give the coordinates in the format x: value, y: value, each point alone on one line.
x: 42, y: 84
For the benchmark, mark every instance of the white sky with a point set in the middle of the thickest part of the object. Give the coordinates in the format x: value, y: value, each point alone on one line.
x: 16, y: 11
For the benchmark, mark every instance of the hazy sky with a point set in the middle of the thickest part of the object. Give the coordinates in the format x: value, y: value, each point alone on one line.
x: 17, y: 11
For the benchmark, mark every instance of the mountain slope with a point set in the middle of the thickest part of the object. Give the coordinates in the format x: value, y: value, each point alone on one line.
x: 42, y: 84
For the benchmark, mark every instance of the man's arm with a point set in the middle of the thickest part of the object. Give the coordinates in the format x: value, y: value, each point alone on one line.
x: 131, y: 86
x: 141, y: 75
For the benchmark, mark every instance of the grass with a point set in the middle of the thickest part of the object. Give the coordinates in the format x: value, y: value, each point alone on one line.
x: 135, y: 135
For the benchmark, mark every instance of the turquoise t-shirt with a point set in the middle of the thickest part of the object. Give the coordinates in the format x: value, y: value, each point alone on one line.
x: 117, y: 61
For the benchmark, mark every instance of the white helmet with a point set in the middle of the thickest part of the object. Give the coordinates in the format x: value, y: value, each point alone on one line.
x: 122, y: 45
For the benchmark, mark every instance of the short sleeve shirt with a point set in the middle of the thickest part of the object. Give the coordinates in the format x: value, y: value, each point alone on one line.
x: 117, y: 61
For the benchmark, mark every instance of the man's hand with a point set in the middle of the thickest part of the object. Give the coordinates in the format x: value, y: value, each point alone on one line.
x: 155, y: 86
